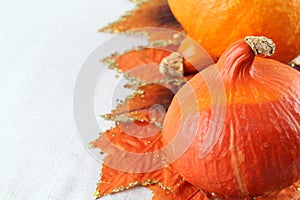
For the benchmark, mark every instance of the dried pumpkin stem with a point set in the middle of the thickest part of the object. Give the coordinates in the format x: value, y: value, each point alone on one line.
x: 172, y: 65
x: 261, y: 45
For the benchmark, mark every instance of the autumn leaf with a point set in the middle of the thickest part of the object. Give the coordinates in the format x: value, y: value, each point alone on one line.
x: 148, y: 13
x: 186, y: 191
x: 116, y: 175
x: 137, y: 130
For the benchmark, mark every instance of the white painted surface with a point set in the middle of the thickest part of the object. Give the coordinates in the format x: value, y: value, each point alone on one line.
x: 43, y: 44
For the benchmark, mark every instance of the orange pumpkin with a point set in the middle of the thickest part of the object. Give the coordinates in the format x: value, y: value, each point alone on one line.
x: 242, y: 119
x: 216, y: 24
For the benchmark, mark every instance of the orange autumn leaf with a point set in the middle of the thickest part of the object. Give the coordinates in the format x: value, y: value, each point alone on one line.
x: 141, y: 68
x: 113, y: 181
x: 151, y: 13
x: 143, y: 63
x: 141, y: 134
x: 165, y: 183
x: 137, y: 57
x: 118, y: 139
x: 185, y: 192
x: 154, y: 91
x: 148, y: 13
x: 117, y: 143
x: 145, y: 100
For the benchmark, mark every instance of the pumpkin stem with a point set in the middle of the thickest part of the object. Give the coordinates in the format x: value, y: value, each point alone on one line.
x: 172, y: 65
x: 261, y: 45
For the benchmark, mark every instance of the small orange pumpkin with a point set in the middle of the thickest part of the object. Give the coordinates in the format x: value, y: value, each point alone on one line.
x: 216, y: 24
x: 242, y: 117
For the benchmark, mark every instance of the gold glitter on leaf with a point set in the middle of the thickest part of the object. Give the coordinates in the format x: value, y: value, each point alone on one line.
x: 137, y: 130
x: 148, y: 13
x: 186, y: 191
x: 113, y: 180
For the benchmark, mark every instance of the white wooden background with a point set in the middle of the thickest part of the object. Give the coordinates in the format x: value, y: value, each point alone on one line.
x: 43, y: 44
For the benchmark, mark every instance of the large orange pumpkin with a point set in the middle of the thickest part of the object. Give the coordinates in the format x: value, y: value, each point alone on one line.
x: 216, y: 24
x: 239, y: 122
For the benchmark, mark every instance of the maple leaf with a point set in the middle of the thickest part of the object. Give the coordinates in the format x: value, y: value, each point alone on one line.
x: 148, y: 13
x: 137, y: 131
x: 117, y: 175
x: 186, y: 191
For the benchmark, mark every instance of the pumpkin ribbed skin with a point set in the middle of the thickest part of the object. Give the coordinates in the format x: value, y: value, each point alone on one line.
x: 257, y: 149
x: 216, y: 24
